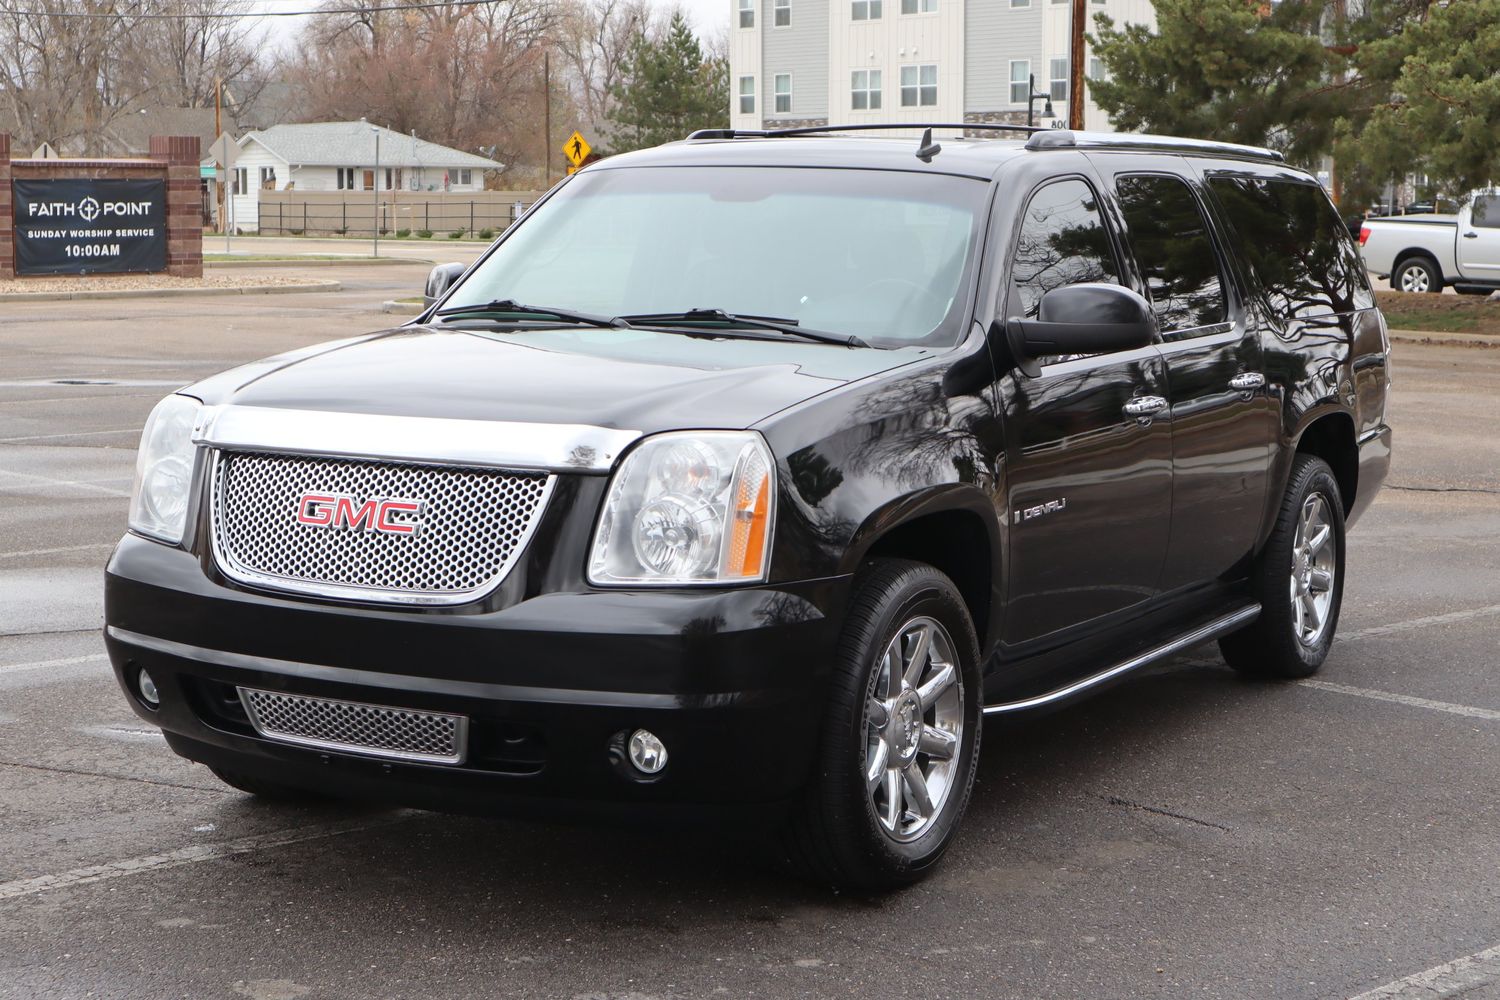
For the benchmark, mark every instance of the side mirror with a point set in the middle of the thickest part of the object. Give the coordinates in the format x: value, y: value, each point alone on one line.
x: 1088, y: 318
x: 440, y: 279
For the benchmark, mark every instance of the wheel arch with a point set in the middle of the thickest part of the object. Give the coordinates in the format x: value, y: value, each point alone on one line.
x: 951, y: 528
x: 1330, y: 436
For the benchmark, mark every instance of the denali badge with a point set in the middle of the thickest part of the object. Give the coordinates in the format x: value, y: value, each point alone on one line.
x: 1050, y: 507
x: 335, y: 510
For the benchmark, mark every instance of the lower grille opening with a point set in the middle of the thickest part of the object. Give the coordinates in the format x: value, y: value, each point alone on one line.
x: 358, y: 727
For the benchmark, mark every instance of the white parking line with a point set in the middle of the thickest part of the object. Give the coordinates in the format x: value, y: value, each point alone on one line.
x: 51, y: 552
x: 17, y: 668
x: 71, y: 434
x: 1451, y: 618
x: 1449, y: 979
x: 1405, y: 699
x: 41, y: 481
x: 39, y: 884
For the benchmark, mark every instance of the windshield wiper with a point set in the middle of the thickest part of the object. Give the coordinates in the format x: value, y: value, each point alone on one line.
x: 517, y: 308
x: 790, y: 327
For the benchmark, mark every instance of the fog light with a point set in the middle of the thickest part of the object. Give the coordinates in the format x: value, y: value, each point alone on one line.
x: 148, y: 690
x: 647, y: 753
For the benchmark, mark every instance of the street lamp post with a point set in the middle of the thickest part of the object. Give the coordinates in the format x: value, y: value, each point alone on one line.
x: 1032, y: 96
x: 375, y: 229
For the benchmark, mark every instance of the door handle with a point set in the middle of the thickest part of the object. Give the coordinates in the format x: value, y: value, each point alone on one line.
x: 1143, y: 408
x: 1471, y: 236
x: 1246, y: 381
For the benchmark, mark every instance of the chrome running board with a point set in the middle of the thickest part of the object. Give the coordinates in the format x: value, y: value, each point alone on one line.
x: 1214, y: 629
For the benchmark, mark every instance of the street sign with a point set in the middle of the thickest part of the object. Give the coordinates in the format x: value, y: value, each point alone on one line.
x: 45, y: 152
x: 577, y: 149
x: 225, y: 151
x: 207, y: 171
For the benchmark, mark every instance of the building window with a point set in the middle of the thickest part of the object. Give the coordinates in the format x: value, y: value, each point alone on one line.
x: 864, y: 90
x: 747, y: 95
x: 345, y: 178
x: 1020, y: 4
x: 1059, y: 91
x: 268, y: 178
x: 865, y: 10
x: 783, y: 13
x: 241, y: 180
x: 1096, y: 69
x: 1020, y: 81
x: 783, y: 93
x: 919, y: 86
x: 466, y: 177
x: 918, y: 6
x: 747, y: 13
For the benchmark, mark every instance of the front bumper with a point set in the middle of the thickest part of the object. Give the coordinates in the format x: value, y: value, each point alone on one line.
x: 732, y: 681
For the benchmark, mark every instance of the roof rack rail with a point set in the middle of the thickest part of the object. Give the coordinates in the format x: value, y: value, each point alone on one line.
x: 781, y: 133
x: 1066, y: 139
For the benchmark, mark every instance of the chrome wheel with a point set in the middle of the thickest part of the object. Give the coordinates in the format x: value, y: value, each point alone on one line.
x: 1416, y: 279
x: 1314, y: 568
x: 914, y: 721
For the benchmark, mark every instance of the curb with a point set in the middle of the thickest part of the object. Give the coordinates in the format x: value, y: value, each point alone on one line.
x: 295, y: 262
x: 1438, y: 339
x: 401, y: 308
x: 155, y: 293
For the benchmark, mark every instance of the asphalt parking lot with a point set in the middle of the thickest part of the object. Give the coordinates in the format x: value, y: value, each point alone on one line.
x: 1185, y: 834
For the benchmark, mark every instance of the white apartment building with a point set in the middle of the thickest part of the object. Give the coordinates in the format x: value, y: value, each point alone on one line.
x: 815, y: 62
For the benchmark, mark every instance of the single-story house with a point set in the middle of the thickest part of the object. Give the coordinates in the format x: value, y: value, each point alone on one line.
x: 340, y: 156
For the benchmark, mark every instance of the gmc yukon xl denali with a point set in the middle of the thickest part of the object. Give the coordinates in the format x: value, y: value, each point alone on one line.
x: 754, y: 472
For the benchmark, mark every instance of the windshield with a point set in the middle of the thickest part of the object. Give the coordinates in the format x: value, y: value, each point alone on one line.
x: 881, y: 255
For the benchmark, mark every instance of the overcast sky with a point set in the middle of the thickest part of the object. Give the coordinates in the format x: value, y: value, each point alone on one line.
x: 708, y: 16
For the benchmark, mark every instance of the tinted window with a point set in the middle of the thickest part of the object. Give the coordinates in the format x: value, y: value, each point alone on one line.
x: 1062, y: 242
x: 1167, y: 232
x: 1300, y: 252
x: 1486, y: 213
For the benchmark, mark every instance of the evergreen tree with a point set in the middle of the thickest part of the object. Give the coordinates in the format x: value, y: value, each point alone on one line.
x: 1442, y: 113
x: 668, y: 88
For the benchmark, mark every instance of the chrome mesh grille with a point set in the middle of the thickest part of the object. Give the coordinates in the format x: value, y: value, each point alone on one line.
x: 474, y: 524
x: 377, y: 730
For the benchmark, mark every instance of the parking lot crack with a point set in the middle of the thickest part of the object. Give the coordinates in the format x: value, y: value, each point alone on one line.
x: 117, y: 777
x: 1116, y: 800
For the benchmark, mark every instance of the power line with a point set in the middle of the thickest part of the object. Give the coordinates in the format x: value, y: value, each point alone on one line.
x: 226, y: 15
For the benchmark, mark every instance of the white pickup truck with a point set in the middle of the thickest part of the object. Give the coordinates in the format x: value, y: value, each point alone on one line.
x: 1423, y: 253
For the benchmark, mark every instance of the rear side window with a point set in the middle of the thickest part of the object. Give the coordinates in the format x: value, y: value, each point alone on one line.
x: 1167, y: 232
x: 1299, y: 250
x: 1486, y: 214
x: 1062, y: 242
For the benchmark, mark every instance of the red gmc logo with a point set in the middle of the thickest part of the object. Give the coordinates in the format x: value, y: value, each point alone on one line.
x: 335, y: 510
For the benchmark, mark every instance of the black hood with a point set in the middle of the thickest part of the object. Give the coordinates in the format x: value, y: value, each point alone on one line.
x: 624, y: 379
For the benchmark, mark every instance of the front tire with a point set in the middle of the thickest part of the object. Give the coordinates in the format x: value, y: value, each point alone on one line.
x: 1299, y: 581
x: 900, y: 735
x: 1417, y: 274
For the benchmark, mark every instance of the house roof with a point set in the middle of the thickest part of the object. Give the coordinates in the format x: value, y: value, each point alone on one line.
x: 130, y: 134
x: 352, y: 144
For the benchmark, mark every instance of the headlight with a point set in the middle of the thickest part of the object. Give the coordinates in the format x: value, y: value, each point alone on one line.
x: 688, y: 507
x: 164, y: 470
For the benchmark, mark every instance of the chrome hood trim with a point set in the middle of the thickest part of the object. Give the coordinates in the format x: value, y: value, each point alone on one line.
x: 577, y: 448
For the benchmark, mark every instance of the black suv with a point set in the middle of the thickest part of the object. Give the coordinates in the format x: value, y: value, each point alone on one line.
x: 754, y: 471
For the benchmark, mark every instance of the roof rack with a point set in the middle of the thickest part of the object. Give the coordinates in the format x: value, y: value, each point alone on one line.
x: 1065, y: 139
x: 782, y: 133
x: 1041, y: 137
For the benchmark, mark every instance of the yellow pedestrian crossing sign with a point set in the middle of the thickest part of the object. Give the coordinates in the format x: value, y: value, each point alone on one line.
x: 577, y: 149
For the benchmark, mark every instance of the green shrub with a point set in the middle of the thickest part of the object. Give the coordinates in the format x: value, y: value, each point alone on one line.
x: 295, y: 232
x: 486, y: 234
x: 424, y: 234
x: 402, y: 234
x: 456, y: 234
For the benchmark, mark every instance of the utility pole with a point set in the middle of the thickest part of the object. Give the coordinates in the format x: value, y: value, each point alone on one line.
x: 547, y: 113
x: 1075, y: 65
x: 221, y: 185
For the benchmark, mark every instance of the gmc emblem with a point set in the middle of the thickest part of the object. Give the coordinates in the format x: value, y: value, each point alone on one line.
x: 336, y: 510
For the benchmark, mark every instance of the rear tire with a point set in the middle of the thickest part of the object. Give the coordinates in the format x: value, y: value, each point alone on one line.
x: 900, y: 736
x: 270, y: 790
x: 1299, y: 581
x: 1417, y: 274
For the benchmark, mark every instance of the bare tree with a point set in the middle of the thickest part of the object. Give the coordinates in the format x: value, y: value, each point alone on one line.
x: 594, y: 39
